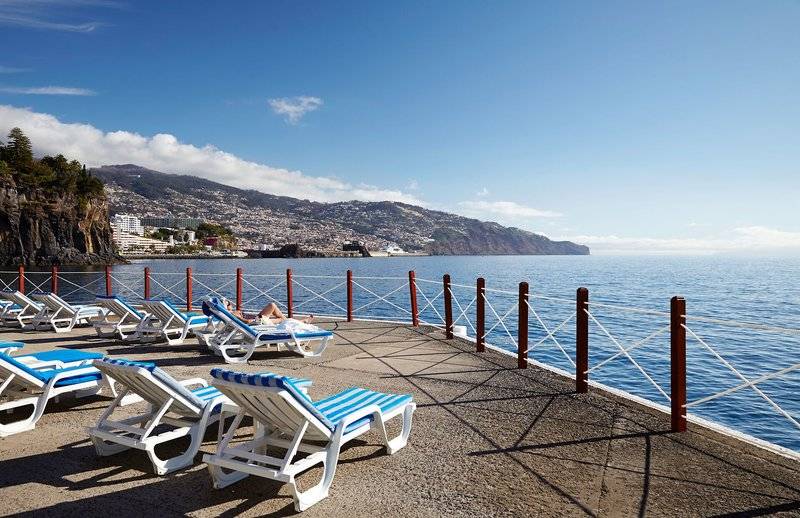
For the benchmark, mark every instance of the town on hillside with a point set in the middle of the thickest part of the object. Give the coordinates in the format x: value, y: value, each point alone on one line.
x: 149, y: 236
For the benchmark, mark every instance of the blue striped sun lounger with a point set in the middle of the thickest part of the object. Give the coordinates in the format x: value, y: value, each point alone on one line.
x: 296, y: 424
x: 34, y: 379
x: 236, y: 340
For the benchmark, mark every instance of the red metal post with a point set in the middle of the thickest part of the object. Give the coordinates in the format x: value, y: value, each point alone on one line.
x: 480, y: 315
x: 448, y: 306
x: 54, y: 280
x: 188, y: 289
x: 289, y: 297
x: 677, y: 342
x: 581, y: 341
x: 522, y: 329
x: 412, y: 290
x: 21, y: 279
x: 349, y: 295
x: 109, y: 291
x: 146, y: 283
x: 238, y: 289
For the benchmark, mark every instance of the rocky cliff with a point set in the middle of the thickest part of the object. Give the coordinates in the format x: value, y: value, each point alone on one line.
x: 42, y: 228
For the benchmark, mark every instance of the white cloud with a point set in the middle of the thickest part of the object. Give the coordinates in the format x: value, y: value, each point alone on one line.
x: 504, y: 210
x: 37, y: 14
x: 483, y: 192
x: 294, y: 108
x: 46, y: 90
x: 738, y: 240
x: 164, y: 152
x: 413, y: 185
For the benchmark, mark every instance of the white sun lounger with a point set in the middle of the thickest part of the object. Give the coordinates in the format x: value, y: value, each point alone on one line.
x: 165, y: 321
x: 121, y: 319
x: 236, y: 341
x: 34, y: 379
x: 287, y: 419
x: 61, y: 316
x: 171, y: 405
x: 21, y: 311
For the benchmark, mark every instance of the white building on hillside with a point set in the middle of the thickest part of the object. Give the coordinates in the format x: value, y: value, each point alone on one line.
x: 131, y: 244
x: 128, y: 223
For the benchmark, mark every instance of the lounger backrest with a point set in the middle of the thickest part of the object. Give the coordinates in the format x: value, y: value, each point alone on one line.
x: 22, y: 300
x: 217, y: 309
x: 274, y: 400
x: 163, y: 311
x: 117, y: 306
x: 21, y: 372
x: 53, y: 302
x: 153, y: 384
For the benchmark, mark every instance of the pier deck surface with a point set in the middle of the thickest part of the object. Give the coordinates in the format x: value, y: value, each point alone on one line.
x: 487, y: 440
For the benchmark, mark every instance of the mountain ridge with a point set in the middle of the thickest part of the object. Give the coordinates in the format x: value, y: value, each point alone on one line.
x: 260, y: 217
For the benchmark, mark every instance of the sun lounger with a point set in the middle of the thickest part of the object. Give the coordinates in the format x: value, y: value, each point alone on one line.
x: 34, y: 379
x: 174, y: 411
x: 21, y: 311
x: 121, y: 319
x: 61, y: 316
x: 166, y: 321
x: 10, y: 347
x: 236, y: 340
x: 287, y: 419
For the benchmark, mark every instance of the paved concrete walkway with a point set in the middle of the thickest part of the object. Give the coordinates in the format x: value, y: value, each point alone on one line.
x: 487, y: 439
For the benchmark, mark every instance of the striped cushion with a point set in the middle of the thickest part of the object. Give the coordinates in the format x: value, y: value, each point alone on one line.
x: 11, y: 345
x: 331, y: 410
x: 337, y: 407
x: 206, y: 393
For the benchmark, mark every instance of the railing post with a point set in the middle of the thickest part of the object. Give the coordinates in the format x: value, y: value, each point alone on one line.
x: 522, y: 329
x: 349, y: 295
x: 289, y: 298
x: 54, y: 280
x: 21, y: 279
x: 448, y: 306
x: 238, y: 289
x: 677, y: 342
x: 480, y: 315
x: 109, y: 289
x: 146, y: 282
x: 412, y: 290
x: 188, y: 288
x: 581, y: 341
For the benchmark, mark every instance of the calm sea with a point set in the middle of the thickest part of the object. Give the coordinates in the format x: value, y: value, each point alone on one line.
x: 757, y: 290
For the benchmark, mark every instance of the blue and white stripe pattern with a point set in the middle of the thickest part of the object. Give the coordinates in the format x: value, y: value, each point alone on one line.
x: 190, y: 317
x: 330, y: 410
x: 337, y: 407
x: 130, y: 363
x: 206, y: 393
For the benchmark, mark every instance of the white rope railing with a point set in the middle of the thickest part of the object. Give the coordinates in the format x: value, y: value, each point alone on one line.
x: 628, y: 356
x: 320, y: 296
x: 550, y: 334
x: 746, y: 381
x: 500, y: 320
x: 265, y: 293
x: 377, y: 298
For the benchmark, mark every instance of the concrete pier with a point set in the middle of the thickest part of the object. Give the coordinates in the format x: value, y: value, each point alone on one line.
x: 487, y: 440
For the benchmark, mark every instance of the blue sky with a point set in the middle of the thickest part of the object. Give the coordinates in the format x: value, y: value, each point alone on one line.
x: 630, y: 126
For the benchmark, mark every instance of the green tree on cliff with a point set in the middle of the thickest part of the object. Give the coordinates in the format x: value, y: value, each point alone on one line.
x: 18, y: 153
x: 55, y: 174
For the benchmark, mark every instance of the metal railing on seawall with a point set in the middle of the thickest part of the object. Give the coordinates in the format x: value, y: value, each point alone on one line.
x: 554, y: 333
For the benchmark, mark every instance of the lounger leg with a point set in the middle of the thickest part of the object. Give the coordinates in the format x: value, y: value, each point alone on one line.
x: 393, y: 445
x: 309, y: 497
x: 23, y: 425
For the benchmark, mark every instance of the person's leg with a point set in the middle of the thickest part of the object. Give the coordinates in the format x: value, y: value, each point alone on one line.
x: 272, y: 310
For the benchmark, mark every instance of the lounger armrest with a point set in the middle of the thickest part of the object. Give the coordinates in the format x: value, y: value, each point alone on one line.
x: 71, y: 372
x: 194, y: 381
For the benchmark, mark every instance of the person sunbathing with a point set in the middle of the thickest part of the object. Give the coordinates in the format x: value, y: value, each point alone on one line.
x: 270, y: 313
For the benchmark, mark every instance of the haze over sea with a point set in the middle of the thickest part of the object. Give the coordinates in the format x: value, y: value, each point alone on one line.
x: 756, y: 290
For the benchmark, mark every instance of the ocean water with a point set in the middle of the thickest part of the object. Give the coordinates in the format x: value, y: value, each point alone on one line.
x: 764, y: 291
